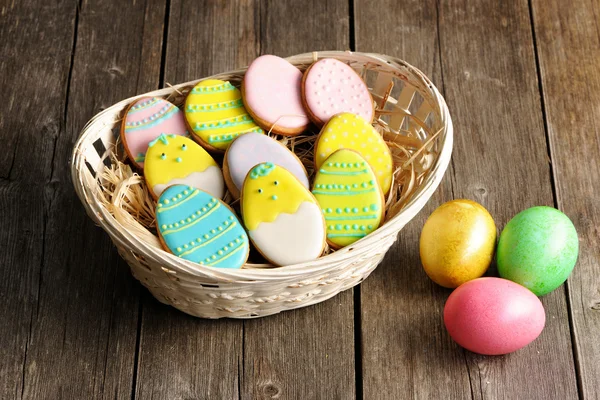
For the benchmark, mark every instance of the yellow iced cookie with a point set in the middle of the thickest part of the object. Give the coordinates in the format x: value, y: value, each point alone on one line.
x: 282, y: 217
x: 349, y: 131
x: 216, y: 115
x: 347, y: 191
x: 172, y: 160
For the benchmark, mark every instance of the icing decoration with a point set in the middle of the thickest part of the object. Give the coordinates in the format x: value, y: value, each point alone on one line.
x: 347, y: 191
x: 197, y: 227
x: 284, y: 221
x: 168, y: 162
x: 252, y: 149
x: 272, y: 93
x: 216, y: 114
x: 332, y: 87
x: 146, y: 119
x: 349, y: 131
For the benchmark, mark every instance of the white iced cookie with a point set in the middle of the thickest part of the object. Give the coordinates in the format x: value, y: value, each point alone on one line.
x: 254, y: 148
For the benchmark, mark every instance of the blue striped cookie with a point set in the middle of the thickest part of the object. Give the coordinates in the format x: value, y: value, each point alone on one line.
x: 197, y: 227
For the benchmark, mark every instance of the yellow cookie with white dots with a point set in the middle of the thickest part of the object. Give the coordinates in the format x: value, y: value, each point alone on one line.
x: 349, y: 131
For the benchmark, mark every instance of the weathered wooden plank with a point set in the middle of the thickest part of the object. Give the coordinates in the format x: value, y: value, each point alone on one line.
x: 35, y: 52
x: 84, y: 333
x: 490, y: 79
x: 306, y: 353
x: 499, y: 160
x: 568, y: 48
x: 242, y: 365
x: 405, y: 351
x: 181, y: 356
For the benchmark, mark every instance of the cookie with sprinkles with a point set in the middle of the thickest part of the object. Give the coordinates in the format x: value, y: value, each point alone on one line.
x: 144, y: 121
x: 350, y: 131
x: 200, y: 228
x: 173, y: 160
x: 215, y: 113
x: 352, y: 202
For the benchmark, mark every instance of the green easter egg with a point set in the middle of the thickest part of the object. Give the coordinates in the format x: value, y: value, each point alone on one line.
x: 538, y: 249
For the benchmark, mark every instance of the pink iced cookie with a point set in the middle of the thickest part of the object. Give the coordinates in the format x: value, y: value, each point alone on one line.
x: 331, y: 87
x: 146, y: 120
x: 271, y: 91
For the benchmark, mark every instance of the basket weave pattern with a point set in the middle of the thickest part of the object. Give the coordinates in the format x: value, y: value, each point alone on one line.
x: 409, y: 105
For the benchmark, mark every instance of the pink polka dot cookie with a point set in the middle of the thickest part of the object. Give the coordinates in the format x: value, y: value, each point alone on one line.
x: 271, y: 91
x: 331, y: 87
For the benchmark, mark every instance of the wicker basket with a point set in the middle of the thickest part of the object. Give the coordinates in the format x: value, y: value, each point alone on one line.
x: 409, y: 104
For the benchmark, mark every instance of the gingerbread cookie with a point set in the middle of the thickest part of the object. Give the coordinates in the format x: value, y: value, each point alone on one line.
x: 282, y: 217
x: 349, y: 131
x: 347, y: 191
x: 252, y: 149
x: 173, y: 160
x: 271, y: 90
x: 331, y: 87
x: 144, y: 121
x: 197, y: 227
x: 216, y: 115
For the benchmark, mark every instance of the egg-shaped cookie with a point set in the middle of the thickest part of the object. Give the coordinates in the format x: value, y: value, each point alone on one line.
x: 271, y: 90
x: 350, y: 131
x: 347, y: 191
x: 330, y: 87
x: 249, y: 150
x: 198, y: 227
x: 145, y: 120
x: 216, y: 115
x: 282, y: 217
x: 173, y: 160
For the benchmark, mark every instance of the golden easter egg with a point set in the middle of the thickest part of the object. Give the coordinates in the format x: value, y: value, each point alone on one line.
x: 457, y: 242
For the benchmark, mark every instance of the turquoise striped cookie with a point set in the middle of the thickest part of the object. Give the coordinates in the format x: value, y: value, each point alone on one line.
x: 349, y: 196
x: 197, y: 227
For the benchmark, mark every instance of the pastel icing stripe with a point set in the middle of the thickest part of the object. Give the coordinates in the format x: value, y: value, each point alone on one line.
x: 172, y: 160
x: 332, y: 87
x: 215, y: 112
x: 197, y: 227
x: 252, y: 149
x: 349, y: 131
x: 350, y: 199
x: 147, y: 119
x: 283, y: 219
x: 273, y: 92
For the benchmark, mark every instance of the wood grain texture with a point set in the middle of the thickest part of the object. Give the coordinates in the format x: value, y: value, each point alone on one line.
x: 306, y: 353
x: 35, y: 52
x: 406, y: 352
x: 83, y: 335
x: 271, y: 357
x: 568, y: 47
x: 182, y: 357
x: 499, y: 160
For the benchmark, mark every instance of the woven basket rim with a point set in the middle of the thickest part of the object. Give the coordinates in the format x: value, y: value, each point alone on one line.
x: 172, y: 263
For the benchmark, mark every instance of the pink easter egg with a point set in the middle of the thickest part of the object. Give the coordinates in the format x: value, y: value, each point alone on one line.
x: 493, y: 316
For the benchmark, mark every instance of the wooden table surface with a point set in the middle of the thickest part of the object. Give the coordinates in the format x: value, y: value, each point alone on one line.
x: 522, y: 80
